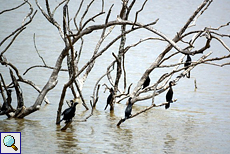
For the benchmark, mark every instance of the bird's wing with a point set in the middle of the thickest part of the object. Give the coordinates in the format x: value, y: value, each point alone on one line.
x: 109, y: 99
x: 169, y: 95
x: 66, y: 111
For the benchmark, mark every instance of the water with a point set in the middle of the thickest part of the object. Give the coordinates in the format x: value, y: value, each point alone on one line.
x: 199, y: 122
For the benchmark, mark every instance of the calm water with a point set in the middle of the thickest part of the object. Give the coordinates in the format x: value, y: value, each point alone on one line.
x: 199, y: 122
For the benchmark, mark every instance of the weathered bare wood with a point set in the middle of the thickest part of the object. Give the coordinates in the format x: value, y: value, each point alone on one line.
x: 13, y: 39
x: 17, y: 90
x: 75, y: 40
x: 142, y: 111
x: 168, y: 48
x: 7, y: 10
x: 1, y: 88
x: 21, y: 27
x: 142, y: 7
x: 6, y: 107
x: 50, y: 18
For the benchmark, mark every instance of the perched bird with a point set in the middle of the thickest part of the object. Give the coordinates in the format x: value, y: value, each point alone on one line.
x: 110, y: 98
x: 128, y: 109
x: 187, y: 63
x: 69, y: 113
x: 146, y: 83
x: 169, y: 95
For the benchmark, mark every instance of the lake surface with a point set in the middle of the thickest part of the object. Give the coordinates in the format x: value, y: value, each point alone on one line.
x: 199, y: 122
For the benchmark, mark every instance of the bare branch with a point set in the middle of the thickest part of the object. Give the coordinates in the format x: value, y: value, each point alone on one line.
x: 97, y: 86
x: 37, y: 66
x: 52, y: 14
x: 50, y: 18
x: 37, y: 51
x: 221, y: 26
x: 168, y: 48
x: 142, y: 111
x: 129, y: 9
x: 201, y: 12
x: 84, y: 14
x: 13, y: 8
x: 143, y: 5
x: 163, y: 77
x: 102, y: 38
x: 11, y: 42
x: 222, y: 42
x: 80, y: 50
x: 75, y: 17
x: 24, y: 25
x: 2, y: 91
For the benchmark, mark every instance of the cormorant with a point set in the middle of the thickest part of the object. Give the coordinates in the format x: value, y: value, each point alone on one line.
x: 146, y: 83
x: 187, y: 63
x: 169, y: 95
x: 128, y: 109
x: 69, y: 113
x: 110, y: 98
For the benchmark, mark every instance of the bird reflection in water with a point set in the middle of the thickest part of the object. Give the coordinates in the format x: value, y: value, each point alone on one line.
x: 67, y: 142
x: 169, y: 143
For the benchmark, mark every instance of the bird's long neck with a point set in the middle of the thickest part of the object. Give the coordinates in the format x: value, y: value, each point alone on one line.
x: 188, y: 57
x: 130, y: 103
x: 170, y: 86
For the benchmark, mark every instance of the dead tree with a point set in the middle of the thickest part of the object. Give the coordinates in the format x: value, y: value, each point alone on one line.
x: 184, y: 34
x: 74, y: 29
x: 21, y: 110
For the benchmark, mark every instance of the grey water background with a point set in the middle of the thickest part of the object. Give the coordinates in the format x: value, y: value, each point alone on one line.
x: 199, y: 122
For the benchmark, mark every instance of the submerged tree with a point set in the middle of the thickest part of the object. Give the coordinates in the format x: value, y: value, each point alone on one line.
x: 74, y: 29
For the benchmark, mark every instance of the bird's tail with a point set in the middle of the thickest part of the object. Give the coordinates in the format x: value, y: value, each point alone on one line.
x: 167, y: 105
x: 106, y: 106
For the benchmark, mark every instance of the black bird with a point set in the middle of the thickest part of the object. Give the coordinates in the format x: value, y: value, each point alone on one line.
x: 169, y: 95
x: 187, y: 63
x: 128, y: 109
x: 110, y: 98
x: 69, y: 113
x: 146, y: 83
